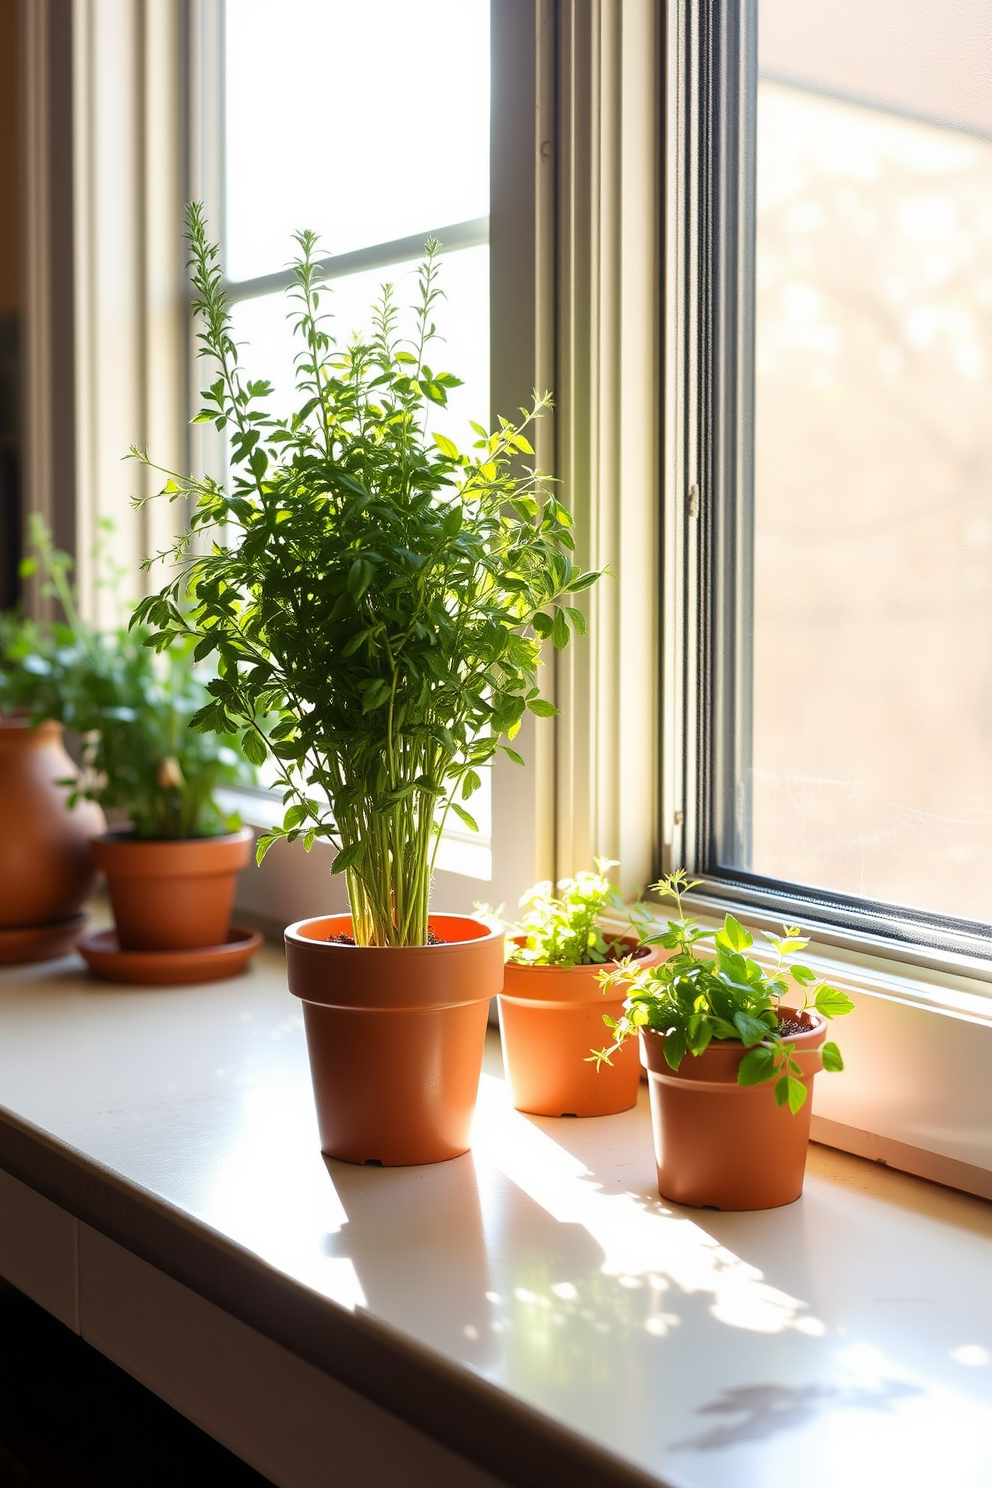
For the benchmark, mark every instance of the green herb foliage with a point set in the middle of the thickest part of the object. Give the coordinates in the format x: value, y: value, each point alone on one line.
x: 564, y: 929
x: 378, y: 591
x: 129, y: 709
x: 694, y: 999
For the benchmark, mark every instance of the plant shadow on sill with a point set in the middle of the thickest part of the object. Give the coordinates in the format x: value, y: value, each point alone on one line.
x: 452, y: 1260
x: 69, y: 1418
x: 765, y: 1410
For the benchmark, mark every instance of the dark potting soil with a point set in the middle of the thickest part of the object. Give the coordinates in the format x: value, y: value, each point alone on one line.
x: 343, y: 939
x: 791, y: 1027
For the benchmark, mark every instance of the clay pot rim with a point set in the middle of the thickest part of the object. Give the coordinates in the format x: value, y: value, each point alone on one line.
x: 20, y: 724
x: 125, y: 837
x: 294, y: 933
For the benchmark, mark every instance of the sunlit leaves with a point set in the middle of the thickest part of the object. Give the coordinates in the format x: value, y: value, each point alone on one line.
x: 384, y: 593
x: 831, y: 1057
x: 832, y: 1003
x: 693, y: 999
x: 563, y: 928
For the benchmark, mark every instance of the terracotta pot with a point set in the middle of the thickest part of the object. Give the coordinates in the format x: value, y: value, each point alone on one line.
x: 550, y: 1018
x: 45, y: 868
x: 720, y: 1145
x: 171, y: 895
x: 395, y: 1036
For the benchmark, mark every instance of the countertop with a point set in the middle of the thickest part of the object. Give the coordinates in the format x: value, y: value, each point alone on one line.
x: 532, y: 1304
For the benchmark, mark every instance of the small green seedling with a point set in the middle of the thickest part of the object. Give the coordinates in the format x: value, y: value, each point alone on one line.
x: 693, y: 999
x: 564, y: 929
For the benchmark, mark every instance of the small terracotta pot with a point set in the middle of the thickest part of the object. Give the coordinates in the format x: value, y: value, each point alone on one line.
x: 395, y: 1036
x: 551, y: 1018
x: 45, y: 868
x: 720, y: 1145
x: 171, y: 895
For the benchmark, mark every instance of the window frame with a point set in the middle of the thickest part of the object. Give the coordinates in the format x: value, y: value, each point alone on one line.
x: 706, y: 665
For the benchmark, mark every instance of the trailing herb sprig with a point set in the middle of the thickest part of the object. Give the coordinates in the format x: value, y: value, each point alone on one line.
x: 381, y: 593
x: 695, y: 999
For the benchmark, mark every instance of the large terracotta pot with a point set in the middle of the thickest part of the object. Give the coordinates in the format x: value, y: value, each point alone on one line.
x: 171, y: 895
x: 45, y: 868
x: 720, y: 1145
x: 551, y: 1018
x: 395, y: 1036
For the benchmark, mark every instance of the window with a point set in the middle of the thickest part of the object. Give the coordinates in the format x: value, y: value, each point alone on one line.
x: 837, y: 466
x: 369, y: 124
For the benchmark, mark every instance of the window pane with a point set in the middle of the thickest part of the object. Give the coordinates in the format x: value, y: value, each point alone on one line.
x: 364, y: 121
x: 871, y: 768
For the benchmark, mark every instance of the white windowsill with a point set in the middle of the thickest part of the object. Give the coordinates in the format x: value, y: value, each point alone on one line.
x: 539, y: 1278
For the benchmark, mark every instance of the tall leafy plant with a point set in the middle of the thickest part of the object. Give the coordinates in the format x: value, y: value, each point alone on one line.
x: 377, y: 590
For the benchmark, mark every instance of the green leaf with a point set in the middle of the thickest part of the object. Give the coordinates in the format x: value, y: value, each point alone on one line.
x: 264, y: 843
x: 797, y: 1094
x: 252, y: 747
x: 559, y: 631
x: 757, y: 1066
x: 346, y: 857
x: 832, y: 1003
x: 675, y: 1048
x: 803, y: 975
x: 446, y: 446
x: 831, y: 1056
x: 294, y: 815
x: 542, y: 708
x: 733, y: 935
x: 751, y: 1030
x: 464, y: 816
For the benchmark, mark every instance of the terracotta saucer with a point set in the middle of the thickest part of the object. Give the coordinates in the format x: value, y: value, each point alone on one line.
x: 104, y: 956
x: 39, y: 942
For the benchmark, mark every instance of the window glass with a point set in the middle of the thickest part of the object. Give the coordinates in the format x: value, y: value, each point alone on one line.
x: 870, y: 768
x: 366, y: 122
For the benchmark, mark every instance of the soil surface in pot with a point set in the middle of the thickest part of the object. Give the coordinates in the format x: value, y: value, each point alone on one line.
x: 612, y: 959
x: 343, y: 939
x: 791, y: 1027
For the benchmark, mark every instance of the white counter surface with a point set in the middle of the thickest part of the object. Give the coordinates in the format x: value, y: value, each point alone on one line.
x: 533, y: 1305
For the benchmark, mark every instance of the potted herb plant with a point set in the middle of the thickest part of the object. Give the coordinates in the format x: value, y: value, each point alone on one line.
x: 730, y: 1064
x: 384, y: 596
x: 553, y: 1000
x: 171, y: 870
x: 45, y: 868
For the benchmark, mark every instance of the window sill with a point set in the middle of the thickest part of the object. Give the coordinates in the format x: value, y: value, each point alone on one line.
x: 519, y: 1304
